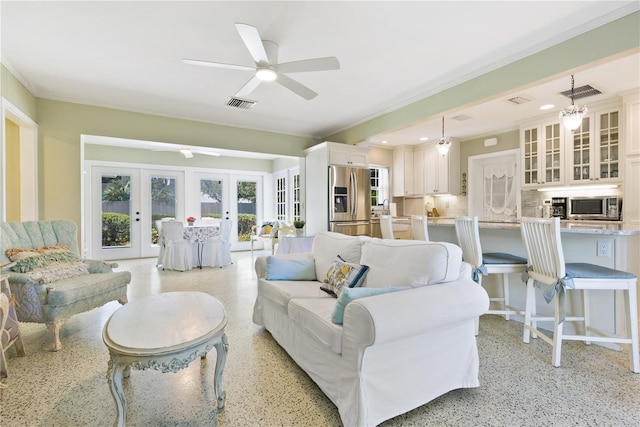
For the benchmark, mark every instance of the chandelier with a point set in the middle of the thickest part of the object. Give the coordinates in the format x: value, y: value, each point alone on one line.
x: 572, y: 115
x: 445, y: 143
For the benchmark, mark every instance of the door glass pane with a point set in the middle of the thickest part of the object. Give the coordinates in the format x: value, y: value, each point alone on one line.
x: 163, y: 202
x: 246, y: 209
x: 211, y: 198
x: 116, y: 211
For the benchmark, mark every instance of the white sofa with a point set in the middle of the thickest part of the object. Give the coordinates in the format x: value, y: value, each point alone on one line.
x: 393, y: 352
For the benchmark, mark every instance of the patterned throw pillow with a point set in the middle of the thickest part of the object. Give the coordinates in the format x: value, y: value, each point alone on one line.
x: 343, y: 274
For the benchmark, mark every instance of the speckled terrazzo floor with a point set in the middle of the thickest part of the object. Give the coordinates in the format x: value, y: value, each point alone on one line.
x: 519, y: 387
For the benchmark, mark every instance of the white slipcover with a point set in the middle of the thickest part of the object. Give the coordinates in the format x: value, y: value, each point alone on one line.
x: 395, y: 351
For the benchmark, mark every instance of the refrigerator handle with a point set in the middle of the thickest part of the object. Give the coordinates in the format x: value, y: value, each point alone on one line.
x: 355, y: 193
x: 351, y: 192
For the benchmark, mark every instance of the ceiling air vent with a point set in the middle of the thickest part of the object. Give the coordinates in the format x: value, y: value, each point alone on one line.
x: 244, y: 104
x: 460, y: 118
x: 581, y: 92
x: 518, y: 100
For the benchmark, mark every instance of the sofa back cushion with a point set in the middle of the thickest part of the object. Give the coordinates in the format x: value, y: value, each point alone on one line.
x: 34, y: 234
x: 410, y: 262
x: 327, y: 245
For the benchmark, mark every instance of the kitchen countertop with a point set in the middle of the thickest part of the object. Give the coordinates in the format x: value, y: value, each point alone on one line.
x: 580, y: 227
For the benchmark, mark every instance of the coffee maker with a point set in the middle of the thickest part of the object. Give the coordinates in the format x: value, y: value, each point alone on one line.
x: 559, y: 207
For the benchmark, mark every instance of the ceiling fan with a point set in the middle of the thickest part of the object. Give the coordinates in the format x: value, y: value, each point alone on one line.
x: 267, y: 68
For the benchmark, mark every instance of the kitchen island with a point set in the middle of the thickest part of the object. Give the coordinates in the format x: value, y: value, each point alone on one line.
x: 580, y: 241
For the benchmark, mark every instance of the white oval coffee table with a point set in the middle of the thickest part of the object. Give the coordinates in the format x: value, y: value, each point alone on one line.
x: 165, y: 332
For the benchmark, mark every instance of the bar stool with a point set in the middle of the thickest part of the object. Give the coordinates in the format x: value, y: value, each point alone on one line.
x: 488, y: 263
x: 419, y: 227
x: 386, y: 227
x: 547, y: 267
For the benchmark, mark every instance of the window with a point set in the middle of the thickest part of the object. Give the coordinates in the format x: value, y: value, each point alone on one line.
x: 379, y: 185
x: 281, y: 198
x: 296, y: 196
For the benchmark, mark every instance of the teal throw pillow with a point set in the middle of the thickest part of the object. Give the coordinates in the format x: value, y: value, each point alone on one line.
x: 350, y: 294
x: 290, y: 269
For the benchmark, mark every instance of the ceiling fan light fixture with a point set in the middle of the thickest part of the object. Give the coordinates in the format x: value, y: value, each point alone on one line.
x: 266, y: 74
x: 444, y: 144
x: 572, y: 115
x: 186, y: 153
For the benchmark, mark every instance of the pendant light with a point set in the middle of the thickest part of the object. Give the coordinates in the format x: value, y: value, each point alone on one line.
x: 572, y: 115
x: 445, y: 143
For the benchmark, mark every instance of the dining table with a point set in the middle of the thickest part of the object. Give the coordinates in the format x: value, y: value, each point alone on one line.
x: 199, y: 235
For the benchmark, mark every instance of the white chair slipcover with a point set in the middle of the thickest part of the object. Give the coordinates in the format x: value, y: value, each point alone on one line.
x: 161, y: 242
x: 178, y: 252
x: 217, y: 250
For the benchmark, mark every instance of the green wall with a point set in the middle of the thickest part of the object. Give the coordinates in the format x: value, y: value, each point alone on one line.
x: 611, y: 39
x: 61, y: 124
x: 474, y: 147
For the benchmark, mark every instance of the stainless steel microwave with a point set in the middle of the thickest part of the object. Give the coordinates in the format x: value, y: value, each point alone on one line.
x: 597, y: 207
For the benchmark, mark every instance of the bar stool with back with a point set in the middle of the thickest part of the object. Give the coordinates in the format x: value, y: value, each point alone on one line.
x: 488, y: 263
x: 547, y: 267
x: 419, y: 227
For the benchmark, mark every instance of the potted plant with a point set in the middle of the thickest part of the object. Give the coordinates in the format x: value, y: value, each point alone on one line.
x: 299, y: 225
x: 190, y: 220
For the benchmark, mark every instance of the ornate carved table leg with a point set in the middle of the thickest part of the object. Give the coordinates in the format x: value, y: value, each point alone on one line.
x: 114, y: 376
x: 221, y: 347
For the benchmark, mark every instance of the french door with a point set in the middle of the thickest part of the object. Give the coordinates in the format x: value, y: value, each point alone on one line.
x: 233, y: 197
x: 124, y: 205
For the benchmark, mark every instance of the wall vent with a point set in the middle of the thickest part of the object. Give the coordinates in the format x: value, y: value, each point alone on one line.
x: 581, y: 92
x: 244, y: 104
x: 518, y: 100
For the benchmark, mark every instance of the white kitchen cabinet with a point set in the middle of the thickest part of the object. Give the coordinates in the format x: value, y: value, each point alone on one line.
x: 408, y: 171
x: 441, y: 173
x: 542, y: 149
x: 631, y: 201
x: 596, y: 150
x: 348, y: 155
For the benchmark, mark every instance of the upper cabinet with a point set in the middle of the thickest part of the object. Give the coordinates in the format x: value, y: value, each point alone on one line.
x: 408, y: 171
x: 542, y: 154
x: 348, y: 155
x: 552, y: 155
x: 595, y: 149
x: 421, y: 170
x: 442, y: 173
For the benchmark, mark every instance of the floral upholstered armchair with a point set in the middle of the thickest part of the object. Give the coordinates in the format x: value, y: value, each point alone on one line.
x: 49, y: 280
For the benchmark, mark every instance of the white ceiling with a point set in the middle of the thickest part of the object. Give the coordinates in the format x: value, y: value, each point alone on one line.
x: 128, y: 55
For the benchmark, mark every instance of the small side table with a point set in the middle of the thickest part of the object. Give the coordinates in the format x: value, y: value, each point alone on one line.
x: 12, y: 327
x: 165, y: 332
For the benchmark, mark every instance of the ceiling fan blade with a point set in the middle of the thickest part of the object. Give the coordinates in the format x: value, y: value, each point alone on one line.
x: 248, y: 87
x: 296, y: 87
x: 316, y: 64
x: 206, y: 153
x: 218, y: 64
x: 252, y: 40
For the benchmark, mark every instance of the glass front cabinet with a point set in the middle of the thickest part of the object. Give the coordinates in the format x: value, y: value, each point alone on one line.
x: 542, y: 155
x: 595, y: 149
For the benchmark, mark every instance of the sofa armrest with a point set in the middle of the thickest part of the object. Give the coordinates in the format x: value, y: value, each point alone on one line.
x: 389, y: 317
x: 99, y: 266
x: 261, y: 261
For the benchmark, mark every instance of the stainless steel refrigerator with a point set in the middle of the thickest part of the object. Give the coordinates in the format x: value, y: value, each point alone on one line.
x: 349, y: 200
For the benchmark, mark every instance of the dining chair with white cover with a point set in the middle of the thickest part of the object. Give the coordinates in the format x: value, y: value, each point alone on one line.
x: 217, y: 250
x: 161, y: 243
x: 386, y: 227
x: 502, y: 263
x: 178, y: 252
x: 419, y: 227
x: 541, y: 237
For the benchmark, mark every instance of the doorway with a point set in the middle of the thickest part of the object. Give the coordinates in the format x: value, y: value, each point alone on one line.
x: 494, y: 186
x: 125, y: 202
